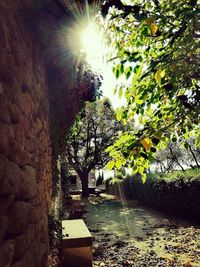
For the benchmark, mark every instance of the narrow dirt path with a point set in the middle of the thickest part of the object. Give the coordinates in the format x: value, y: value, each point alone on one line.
x: 128, y: 234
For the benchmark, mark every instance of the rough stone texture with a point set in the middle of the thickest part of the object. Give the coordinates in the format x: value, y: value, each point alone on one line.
x: 7, y: 252
x: 39, y: 99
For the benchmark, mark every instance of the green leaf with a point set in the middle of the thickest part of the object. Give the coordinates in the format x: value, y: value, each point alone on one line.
x: 122, y: 68
x: 186, y: 146
x: 138, y: 100
x: 108, y: 149
x: 140, y: 170
x: 144, y: 178
x: 110, y: 165
x: 118, y: 163
x: 128, y: 74
x: 119, y: 115
x: 117, y: 73
x: 136, y: 69
x: 120, y: 92
x: 159, y: 75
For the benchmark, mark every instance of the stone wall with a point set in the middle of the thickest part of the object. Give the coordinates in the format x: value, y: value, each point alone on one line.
x: 33, y: 113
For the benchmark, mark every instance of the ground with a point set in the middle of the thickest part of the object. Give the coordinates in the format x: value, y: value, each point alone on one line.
x: 128, y: 234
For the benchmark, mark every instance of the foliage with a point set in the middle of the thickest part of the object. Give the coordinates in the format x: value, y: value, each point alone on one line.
x: 55, y: 234
x: 94, y: 130
x: 156, y: 49
x: 188, y: 176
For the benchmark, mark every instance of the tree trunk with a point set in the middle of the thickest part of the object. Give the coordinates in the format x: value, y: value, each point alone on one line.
x: 193, y: 154
x: 175, y: 158
x: 84, y: 182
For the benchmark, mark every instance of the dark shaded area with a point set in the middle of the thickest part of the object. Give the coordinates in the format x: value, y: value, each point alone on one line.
x: 39, y: 99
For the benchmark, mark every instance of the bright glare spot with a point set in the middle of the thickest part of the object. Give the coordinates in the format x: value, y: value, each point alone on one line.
x: 93, y: 47
x: 95, y: 50
x: 84, y: 41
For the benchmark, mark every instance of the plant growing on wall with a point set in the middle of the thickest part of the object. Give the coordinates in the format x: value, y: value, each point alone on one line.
x: 94, y: 130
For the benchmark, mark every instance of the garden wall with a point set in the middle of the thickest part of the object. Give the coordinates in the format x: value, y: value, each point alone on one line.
x: 36, y: 105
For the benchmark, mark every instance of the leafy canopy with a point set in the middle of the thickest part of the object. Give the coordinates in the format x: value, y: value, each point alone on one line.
x: 155, y: 46
x: 94, y: 130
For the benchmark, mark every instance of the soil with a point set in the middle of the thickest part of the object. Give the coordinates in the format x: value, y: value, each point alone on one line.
x: 128, y: 234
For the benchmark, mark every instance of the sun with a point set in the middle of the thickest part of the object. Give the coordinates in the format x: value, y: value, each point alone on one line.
x: 92, y: 45
x: 86, y: 41
x: 95, y: 51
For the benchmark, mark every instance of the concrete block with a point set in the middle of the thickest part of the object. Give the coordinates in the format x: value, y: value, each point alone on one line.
x: 76, y: 244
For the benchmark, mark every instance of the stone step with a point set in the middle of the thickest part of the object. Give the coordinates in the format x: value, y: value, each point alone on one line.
x: 76, y: 244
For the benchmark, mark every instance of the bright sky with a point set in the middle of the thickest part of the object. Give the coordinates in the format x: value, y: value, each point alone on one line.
x: 93, y: 46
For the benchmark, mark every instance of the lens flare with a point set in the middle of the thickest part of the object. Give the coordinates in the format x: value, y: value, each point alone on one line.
x: 93, y: 46
x: 82, y: 42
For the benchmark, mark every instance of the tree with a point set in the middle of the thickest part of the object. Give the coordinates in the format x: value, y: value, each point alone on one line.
x: 94, y: 130
x: 171, y: 158
x: 156, y: 48
x: 178, y: 154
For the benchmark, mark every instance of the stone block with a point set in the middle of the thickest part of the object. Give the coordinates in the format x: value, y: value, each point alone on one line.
x: 23, y: 242
x: 4, y: 221
x: 15, y: 113
x: 25, y: 158
x: 4, y: 33
x: 6, y: 75
x: 18, y: 154
x: 11, y: 182
x: 13, y: 92
x: 4, y: 144
x: 76, y: 243
x: 26, y: 87
x: 6, y: 136
x: 27, y: 82
x: 19, y: 133
x: 40, y: 194
x: 3, y: 165
x: 36, y: 252
x: 26, y: 261
x: 40, y: 173
x: 25, y: 125
x: 26, y: 103
x: 19, y: 217
x: 38, y: 126
x: 7, y: 252
x: 1, y: 86
x: 44, y: 228
x: 44, y: 248
x: 29, y: 186
x: 36, y: 214
x: 5, y: 202
x: 16, y: 151
x: 4, y: 109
